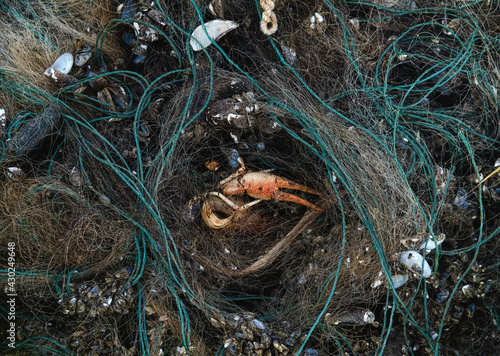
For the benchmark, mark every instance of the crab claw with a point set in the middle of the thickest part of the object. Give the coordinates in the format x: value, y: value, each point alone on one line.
x: 219, y: 212
x: 283, y: 196
x: 264, y: 185
x: 211, y: 219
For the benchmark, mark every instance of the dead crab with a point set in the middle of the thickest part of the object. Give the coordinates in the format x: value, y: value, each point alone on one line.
x: 259, y: 185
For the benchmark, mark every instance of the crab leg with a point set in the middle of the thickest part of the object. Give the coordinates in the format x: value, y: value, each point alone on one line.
x: 282, y: 196
x: 233, y: 205
x: 285, y: 183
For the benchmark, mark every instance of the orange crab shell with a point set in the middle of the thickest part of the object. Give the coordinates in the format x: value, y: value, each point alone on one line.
x: 265, y: 186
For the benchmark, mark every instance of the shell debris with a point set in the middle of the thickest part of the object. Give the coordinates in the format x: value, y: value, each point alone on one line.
x: 215, y: 30
x: 62, y: 64
x: 415, y: 263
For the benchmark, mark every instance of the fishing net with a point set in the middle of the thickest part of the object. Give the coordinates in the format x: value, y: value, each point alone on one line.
x: 377, y: 120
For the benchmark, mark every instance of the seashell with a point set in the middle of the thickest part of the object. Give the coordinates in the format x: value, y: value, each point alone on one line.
x: 145, y: 32
x: 247, y: 332
x: 233, y: 156
x: 113, y: 98
x: 123, y: 273
x: 144, y: 130
x: 461, y: 199
x: 278, y: 346
x: 468, y: 291
x: 379, y: 280
x: 157, y: 17
x: 3, y: 121
x: 354, y: 315
x: 80, y: 307
x: 191, y: 210
x: 216, y: 7
x: 60, y: 79
x: 129, y: 39
x: 265, y: 343
x: 317, y: 21
x: 82, y: 58
x: 75, y: 177
x: 94, y: 292
x: 120, y: 98
x: 431, y: 243
x: 127, y: 10
x: 414, y: 261
x: 62, y: 64
x: 399, y: 279
x: 34, y: 131
x: 120, y: 306
x: 139, y: 59
x: 228, y: 113
x: 141, y: 50
x: 259, y: 324
x: 15, y: 173
x: 290, y: 54
x: 104, y: 96
x: 215, y: 30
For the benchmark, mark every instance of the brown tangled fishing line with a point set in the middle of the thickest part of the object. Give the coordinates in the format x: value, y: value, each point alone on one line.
x: 237, y: 177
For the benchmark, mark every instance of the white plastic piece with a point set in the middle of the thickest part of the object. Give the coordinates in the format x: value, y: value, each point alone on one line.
x: 62, y: 64
x: 215, y: 29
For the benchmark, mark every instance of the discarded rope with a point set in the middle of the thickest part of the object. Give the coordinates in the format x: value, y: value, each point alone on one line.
x: 268, y: 17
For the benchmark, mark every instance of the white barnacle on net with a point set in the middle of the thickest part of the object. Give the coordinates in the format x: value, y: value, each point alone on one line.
x: 75, y: 178
x: 15, y: 173
x: 316, y: 23
x: 290, y: 54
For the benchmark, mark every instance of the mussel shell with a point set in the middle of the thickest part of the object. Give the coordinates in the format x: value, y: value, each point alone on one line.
x: 130, y: 39
x: 157, y: 17
x: 60, y: 79
x: 227, y: 113
x: 34, y: 131
x: 82, y: 58
x: 128, y: 10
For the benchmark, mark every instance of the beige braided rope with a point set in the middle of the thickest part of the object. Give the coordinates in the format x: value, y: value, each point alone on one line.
x: 268, y: 17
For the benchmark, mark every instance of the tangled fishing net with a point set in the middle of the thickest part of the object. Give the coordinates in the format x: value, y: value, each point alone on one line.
x: 119, y: 234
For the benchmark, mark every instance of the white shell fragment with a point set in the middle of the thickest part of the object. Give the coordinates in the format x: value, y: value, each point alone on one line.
x: 14, y: 173
x: 431, y: 243
x: 290, y: 54
x: 62, y: 64
x: 316, y: 21
x: 82, y: 58
x: 414, y: 262
x: 3, y: 121
x: 215, y: 29
x: 379, y: 280
x: 399, y: 279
